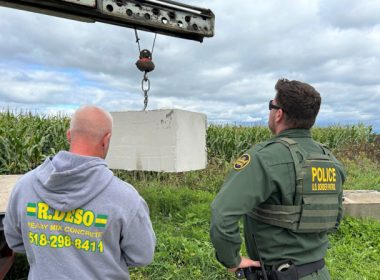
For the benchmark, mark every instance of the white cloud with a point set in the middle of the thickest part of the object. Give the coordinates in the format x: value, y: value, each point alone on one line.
x: 350, y: 13
x: 219, y: 73
x: 52, y: 64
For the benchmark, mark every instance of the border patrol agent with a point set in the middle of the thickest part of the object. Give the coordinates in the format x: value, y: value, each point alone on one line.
x: 288, y: 191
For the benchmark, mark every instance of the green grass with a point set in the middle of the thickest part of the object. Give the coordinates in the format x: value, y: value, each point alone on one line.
x: 179, y: 203
x: 355, y: 250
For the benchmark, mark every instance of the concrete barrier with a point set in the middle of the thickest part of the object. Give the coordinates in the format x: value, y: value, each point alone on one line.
x: 362, y: 204
x: 158, y: 140
x: 7, y: 183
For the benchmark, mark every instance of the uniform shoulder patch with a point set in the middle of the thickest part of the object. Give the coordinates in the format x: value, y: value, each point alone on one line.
x: 242, y: 162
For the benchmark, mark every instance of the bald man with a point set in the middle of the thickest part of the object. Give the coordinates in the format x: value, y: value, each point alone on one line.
x: 90, y: 132
x: 73, y: 218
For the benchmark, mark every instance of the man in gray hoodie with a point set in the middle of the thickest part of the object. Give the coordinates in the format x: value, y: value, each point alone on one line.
x: 73, y: 218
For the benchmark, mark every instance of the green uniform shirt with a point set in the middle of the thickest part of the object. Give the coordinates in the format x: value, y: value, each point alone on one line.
x: 267, y: 175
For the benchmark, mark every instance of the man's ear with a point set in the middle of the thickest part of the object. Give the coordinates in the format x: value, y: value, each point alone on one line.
x: 107, y: 139
x: 68, y: 135
x: 279, y: 116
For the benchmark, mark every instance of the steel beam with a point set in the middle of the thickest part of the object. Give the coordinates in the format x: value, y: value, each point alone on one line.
x: 160, y: 16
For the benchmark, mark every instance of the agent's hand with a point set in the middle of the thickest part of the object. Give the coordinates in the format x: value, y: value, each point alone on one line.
x: 245, y: 262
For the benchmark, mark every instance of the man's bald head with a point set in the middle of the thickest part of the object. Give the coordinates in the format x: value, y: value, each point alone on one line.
x: 91, y: 122
x: 88, y: 128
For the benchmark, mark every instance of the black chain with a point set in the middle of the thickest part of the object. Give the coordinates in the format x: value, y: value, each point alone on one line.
x: 145, y: 86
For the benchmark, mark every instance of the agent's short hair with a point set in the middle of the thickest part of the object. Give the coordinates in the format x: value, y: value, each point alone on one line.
x: 299, y: 101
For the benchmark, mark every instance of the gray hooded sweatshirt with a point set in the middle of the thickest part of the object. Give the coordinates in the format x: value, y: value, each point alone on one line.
x: 75, y: 220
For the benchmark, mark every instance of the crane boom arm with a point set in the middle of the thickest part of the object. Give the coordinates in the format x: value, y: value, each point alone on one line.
x: 160, y: 16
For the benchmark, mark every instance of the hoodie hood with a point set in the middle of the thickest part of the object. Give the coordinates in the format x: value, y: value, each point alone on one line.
x: 68, y: 181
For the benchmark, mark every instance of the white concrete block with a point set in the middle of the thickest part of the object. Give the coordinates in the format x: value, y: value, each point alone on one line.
x: 159, y: 140
x: 7, y: 182
x: 362, y: 203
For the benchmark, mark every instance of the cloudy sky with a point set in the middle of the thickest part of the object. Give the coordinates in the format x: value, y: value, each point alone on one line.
x: 50, y: 65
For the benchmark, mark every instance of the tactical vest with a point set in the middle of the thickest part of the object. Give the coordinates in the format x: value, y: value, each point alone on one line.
x: 316, y: 202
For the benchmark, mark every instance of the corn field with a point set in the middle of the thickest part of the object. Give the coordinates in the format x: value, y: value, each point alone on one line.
x: 228, y: 142
x: 27, y: 139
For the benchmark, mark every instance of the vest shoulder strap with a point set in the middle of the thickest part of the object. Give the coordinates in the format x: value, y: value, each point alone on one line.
x: 298, y: 155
